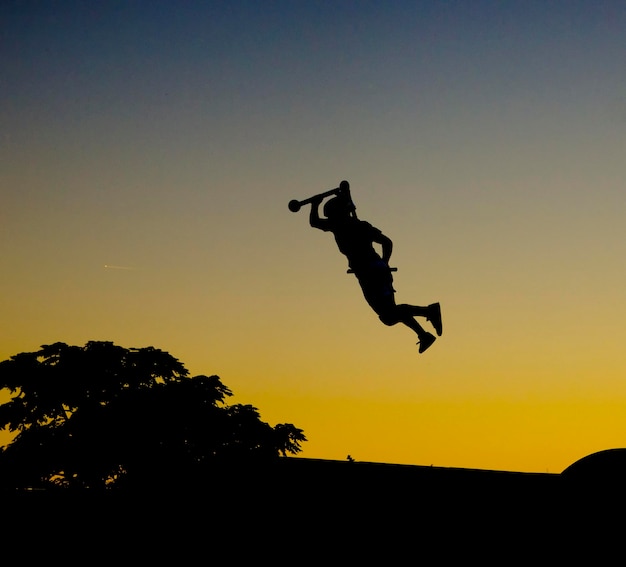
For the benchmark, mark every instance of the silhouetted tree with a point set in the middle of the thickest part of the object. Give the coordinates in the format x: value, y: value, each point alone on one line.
x: 103, y: 415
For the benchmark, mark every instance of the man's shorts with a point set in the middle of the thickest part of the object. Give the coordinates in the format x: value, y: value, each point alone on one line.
x: 377, y: 284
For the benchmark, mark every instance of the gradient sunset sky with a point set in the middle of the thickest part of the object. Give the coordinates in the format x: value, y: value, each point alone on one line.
x: 148, y: 151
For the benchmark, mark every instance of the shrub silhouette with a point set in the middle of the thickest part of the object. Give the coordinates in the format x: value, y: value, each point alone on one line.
x: 106, y: 416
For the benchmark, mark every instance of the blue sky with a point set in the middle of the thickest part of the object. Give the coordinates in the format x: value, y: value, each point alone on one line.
x: 485, y: 138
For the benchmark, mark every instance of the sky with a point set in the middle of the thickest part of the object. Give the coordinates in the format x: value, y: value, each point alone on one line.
x: 148, y: 151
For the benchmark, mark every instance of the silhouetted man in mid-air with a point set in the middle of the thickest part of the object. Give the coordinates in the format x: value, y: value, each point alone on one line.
x: 355, y: 239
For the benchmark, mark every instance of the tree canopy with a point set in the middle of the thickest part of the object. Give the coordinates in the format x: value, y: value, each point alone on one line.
x: 102, y: 415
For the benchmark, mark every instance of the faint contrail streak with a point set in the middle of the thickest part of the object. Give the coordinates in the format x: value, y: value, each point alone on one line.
x: 111, y: 267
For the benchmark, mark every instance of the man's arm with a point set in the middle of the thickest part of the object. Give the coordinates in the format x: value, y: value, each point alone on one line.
x: 314, y: 216
x: 387, y: 247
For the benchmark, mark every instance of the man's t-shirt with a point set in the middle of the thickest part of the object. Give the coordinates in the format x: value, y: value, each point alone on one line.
x: 355, y: 239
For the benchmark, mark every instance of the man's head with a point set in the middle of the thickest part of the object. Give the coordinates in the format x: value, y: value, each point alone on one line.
x: 338, y: 208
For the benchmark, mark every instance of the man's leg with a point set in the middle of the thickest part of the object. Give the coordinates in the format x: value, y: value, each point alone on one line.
x: 404, y: 314
x: 407, y: 314
x: 432, y: 313
x: 379, y: 293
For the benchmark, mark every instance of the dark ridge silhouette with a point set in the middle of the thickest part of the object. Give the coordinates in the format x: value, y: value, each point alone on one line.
x: 604, y: 467
x: 122, y: 454
x: 329, y: 512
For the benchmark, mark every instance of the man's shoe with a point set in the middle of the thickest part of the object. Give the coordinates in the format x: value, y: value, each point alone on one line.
x: 425, y: 341
x: 434, y: 316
